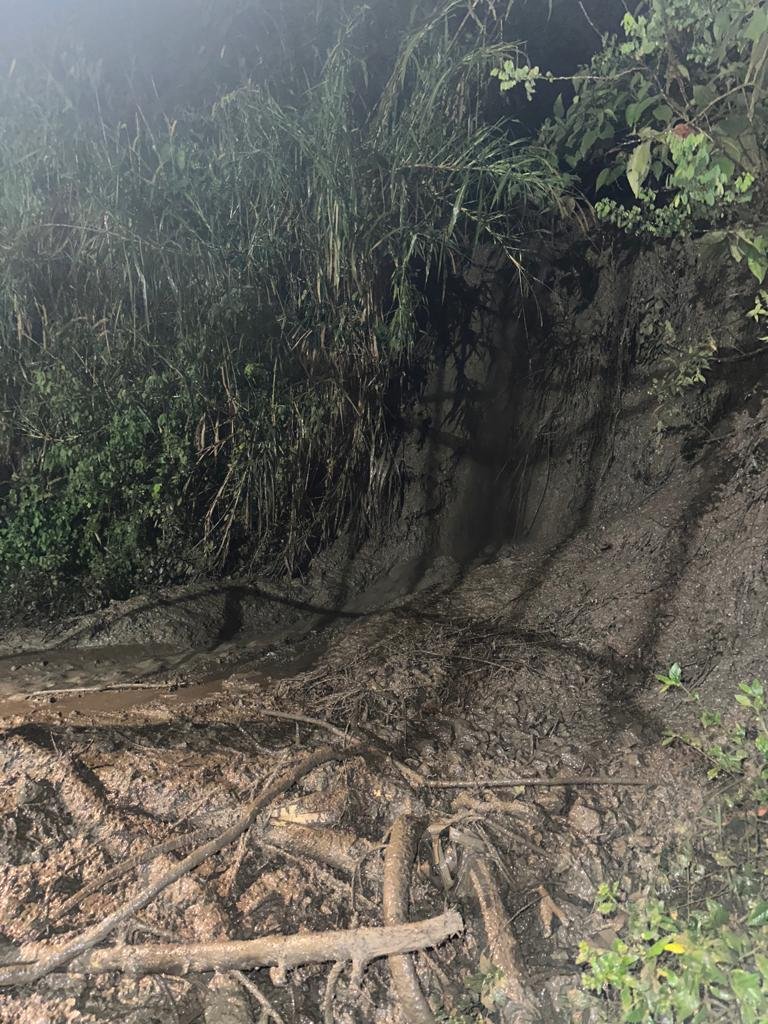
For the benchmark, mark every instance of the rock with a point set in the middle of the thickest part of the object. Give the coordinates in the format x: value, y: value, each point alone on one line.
x: 551, y: 800
x: 584, y: 819
x: 27, y: 791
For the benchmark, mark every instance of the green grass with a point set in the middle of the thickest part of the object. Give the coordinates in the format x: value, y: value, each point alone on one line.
x: 210, y: 324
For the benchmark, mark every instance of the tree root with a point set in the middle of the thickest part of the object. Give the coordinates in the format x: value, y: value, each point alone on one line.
x: 502, y: 947
x: 98, y: 932
x: 268, y: 1010
x: 359, y: 945
x: 340, y: 850
x: 168, y: 846
x: 398, y: 858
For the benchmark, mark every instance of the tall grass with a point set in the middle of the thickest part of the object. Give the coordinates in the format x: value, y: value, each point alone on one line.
x: 209, y: 325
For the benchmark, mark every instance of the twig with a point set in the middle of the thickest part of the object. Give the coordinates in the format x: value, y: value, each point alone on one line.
x: 541, y: 780
x: 168, y: 846
x: 413, y: 777
x: 98, y: 932
x: 259, y: 996
x: 330, y: 987
x: 284, y: 716
x: 359, y: 945
x: 400, y: 854
x: 71, y: 691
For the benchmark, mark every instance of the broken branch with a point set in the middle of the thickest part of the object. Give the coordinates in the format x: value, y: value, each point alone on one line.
x: 98, y: 932
x: 283, y: 951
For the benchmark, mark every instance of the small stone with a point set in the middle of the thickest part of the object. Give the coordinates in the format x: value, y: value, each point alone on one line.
x: 584, y: 819
x: 551, y: 800
x: 28, y: 791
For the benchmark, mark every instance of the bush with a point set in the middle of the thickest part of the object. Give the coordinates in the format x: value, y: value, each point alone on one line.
x: 211, y: 322
x: 699, y: 951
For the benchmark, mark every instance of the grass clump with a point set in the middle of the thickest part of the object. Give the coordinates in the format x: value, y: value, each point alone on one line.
x: 211, y: 322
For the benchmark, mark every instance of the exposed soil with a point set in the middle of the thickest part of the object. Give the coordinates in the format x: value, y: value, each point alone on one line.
x: 537, y: 662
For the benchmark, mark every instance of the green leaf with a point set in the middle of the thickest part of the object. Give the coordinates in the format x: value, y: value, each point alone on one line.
x: 759, y: 267
x: 746, y: 986
x: 758, y: 916
x: 636, y: 110
x: 757, y: 25
x: 638, y: 165
x: 663, y: 113
x: 588, y: 141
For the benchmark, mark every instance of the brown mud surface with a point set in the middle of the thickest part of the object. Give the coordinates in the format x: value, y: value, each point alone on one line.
x: 443, y: 689
x: 538, y: 664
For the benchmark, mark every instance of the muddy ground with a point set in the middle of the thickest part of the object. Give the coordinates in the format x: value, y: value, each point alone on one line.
x: 152, y: 719
x: 489, y: 725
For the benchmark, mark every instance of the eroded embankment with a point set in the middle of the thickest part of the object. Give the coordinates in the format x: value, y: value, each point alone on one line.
x: 495, y: 749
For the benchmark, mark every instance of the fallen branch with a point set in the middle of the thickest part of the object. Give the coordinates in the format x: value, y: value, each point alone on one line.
x: 360, y: 945
x: 410, y: 774
x: 541, y: 780
x: 98, y: 932
x: 501, y: 945
x: 400, y: 854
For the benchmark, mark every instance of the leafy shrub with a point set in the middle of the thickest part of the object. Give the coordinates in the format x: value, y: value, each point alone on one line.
x: 705, y: 956
x: 666, y: 131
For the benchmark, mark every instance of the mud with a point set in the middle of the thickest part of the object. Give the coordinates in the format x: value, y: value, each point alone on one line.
x: 627, y: 549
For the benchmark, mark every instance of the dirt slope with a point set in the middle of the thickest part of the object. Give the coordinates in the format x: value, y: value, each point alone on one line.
x: 625, y: 551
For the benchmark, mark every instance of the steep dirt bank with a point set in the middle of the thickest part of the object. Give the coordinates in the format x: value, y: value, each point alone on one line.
x: 613, y: 551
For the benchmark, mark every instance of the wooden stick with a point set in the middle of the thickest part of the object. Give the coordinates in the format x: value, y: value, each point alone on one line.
x: 282, y: 951
x: 97, y: 933
x: 541, y: 780
x: 400, y: 854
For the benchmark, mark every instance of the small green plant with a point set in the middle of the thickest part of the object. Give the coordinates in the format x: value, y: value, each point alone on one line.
x: 712, y: 966
x: 665, y: 131
x: 483, y: 995
x: 607, y: 900
x: 700, y: 955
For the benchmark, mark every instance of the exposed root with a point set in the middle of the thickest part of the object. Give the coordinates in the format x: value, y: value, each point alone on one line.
x: 268, y: 1009
x: 168, y: 846
x: 89, y: 938
x: 330, y: 988
x: 360, y: 735
x: 337, y: 849
x: 502, y: 947
x: 400, y: 854
x: 283, y: 952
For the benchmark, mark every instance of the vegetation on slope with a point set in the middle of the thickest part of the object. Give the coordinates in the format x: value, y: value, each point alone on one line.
x: 215, y: 316
x: 211, y: 322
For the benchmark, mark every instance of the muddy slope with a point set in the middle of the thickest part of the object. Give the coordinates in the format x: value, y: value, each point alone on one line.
x: 614, y: 550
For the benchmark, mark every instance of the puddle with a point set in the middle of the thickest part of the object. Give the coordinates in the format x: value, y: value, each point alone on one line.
x: 74, y: 668
x: 108, y: 680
